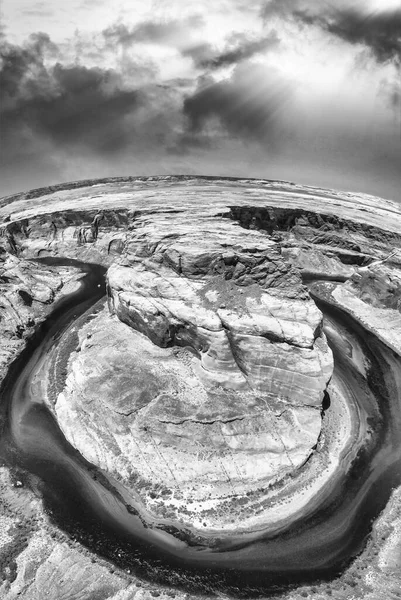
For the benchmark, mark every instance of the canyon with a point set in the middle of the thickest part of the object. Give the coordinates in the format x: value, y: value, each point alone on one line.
x: 229, y: 384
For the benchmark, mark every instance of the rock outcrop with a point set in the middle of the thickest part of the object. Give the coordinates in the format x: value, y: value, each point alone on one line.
x: 259, y: 362
x: 27, y: 291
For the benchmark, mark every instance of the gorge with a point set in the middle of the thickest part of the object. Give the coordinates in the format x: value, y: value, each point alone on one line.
x: 229, y: 421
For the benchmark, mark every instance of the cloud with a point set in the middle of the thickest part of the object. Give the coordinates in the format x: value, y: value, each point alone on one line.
x: 186, y: 36
x: 70, y: 105
x: 281, y: 8
x: 39, y: 9
x: 20, y: 64
x: 353, y: 22
x: 66, y: 121
x: 380, y: 32
x: 246, y: 105
x: 239, y: 49
x: 54, y: 115
x: 171, y: 32
x: 290, y: 127
x: 391, y: 90
x: 37, y: 13
x: 111, y: 103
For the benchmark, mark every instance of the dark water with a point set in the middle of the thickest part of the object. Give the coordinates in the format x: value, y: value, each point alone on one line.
x: 84, y: 503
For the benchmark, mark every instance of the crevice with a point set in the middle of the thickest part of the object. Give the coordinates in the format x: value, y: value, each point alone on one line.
x: 276, y: 433
x: 207, y: 422
x: 237, y: 360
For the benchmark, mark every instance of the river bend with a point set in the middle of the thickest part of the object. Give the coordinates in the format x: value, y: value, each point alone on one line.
x: 86, y: 504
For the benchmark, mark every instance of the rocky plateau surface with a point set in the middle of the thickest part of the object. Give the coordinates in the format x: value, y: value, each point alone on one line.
x: 205, y: 385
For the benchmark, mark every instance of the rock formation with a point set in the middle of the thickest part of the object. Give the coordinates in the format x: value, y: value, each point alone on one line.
x: 256, y: 361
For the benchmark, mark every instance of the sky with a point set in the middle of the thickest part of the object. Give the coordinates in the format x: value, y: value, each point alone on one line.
x: 307, y: 91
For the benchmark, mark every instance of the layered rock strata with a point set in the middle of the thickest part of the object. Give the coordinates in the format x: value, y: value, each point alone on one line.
x: 248, y: 407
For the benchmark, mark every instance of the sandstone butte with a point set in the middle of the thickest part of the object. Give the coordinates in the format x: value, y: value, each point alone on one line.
x: 201, y: 384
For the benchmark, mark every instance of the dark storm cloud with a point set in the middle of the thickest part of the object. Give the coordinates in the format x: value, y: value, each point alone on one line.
x: 20, y: 64
x: 240, y: 48
x: 379, y: 31
x: 246, y: 105
x: 70, y: 105
x: 63, y: 121
x: 163, y: 32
